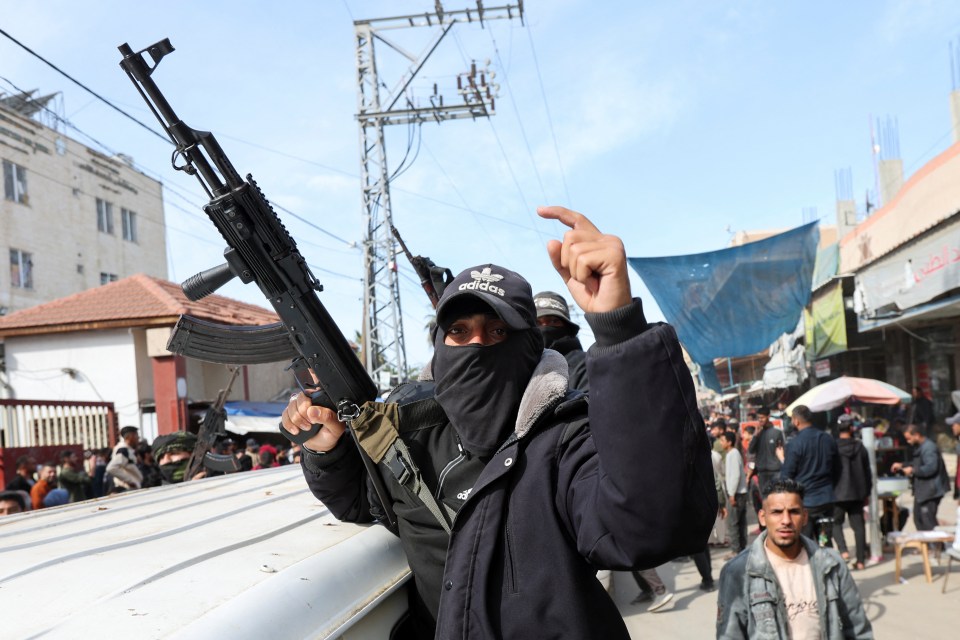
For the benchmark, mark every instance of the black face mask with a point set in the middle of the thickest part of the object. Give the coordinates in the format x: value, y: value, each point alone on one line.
x: 552, y: 335
x: 480, y: 387
x: 173, y: 472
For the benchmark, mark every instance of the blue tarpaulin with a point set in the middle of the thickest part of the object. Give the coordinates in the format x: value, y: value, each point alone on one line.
x: 734, y: 302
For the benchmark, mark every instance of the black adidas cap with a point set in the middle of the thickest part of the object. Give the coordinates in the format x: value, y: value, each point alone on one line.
x: 505, y: 291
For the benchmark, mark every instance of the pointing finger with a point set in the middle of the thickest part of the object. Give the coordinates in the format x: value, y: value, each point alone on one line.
x: 571, y: 218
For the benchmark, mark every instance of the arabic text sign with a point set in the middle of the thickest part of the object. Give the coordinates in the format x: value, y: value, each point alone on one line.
x: 914, y: 275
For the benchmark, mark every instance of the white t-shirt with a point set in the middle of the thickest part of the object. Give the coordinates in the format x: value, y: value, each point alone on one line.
x: 799, y: 594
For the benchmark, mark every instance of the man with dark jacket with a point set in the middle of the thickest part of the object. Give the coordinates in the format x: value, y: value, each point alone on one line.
x: 929, y: 474
x: 763, y: 448
x: 560, y: 334
x: 921, y: 409
x: 544, y: 490
x: 851, y: 489
x: 811, y: 459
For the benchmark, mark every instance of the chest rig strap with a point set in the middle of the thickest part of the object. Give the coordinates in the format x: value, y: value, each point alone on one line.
x: 377, y: 431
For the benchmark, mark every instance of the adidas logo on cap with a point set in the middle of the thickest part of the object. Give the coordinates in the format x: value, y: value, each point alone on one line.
x: 483, y: 281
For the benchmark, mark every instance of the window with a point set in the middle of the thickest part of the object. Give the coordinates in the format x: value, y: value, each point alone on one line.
x: 104, y: 216
x: 14, y: 182
x: 129, y: 221
x: 107, y: 277
x: 21, y: 269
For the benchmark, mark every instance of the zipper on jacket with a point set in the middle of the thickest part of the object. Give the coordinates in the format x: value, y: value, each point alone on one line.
x: 510, y: 568
x: 447, y: 469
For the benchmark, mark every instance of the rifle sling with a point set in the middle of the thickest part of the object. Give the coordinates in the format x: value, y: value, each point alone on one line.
x: 377, y: 433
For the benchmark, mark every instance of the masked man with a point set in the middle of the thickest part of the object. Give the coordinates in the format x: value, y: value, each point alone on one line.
x: 536, y: 489
x: 560, y: 334
x: 172, y: 453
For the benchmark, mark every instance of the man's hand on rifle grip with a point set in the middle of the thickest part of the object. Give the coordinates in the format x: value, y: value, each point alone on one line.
x: 302, y: 414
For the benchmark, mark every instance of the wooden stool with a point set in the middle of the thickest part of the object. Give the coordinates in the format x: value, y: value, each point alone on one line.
x: 920, y: 540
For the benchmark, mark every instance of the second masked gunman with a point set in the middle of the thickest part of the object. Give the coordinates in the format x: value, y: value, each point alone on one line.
x: 537, y: 488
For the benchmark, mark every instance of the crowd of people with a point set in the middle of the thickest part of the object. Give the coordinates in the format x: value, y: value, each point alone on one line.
x: 130, y: 464
x: 496, y: 464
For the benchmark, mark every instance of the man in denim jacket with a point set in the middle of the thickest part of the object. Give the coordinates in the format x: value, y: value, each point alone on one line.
x: 784, y: 585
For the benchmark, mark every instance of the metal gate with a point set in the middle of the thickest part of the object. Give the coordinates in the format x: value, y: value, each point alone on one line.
x: 38, y: 423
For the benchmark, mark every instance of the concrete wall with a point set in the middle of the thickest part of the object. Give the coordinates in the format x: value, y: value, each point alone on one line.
x: 113, y: 366
x: 104, y: 361
x: 58, y: 223
x: 930, y: 196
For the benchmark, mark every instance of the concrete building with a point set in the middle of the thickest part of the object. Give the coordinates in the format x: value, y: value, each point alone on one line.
x: 108, y: 344
x: 71, y: 218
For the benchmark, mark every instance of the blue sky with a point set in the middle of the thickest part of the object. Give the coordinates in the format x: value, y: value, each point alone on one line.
x: 675, y: 121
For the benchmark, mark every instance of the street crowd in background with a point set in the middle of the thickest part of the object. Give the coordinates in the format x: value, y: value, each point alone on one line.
x: 131, y: 464
x: 803, y: 482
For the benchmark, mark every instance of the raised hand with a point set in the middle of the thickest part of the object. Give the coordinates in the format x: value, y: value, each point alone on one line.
x: 592, y: 264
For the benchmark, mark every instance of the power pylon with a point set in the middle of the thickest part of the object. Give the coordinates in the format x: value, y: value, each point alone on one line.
x: 384, y: 349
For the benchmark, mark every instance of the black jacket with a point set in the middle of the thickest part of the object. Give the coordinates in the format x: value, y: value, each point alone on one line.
x: 763, y: 447
x: 855, y: 478
x: 812, y: 460
x: 930, y: 479
x: 631, y: 489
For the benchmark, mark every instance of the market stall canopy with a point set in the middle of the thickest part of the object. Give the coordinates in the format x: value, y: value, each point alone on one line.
x: 835, y: 393
x: 253, y: 417
x: 733, y: 302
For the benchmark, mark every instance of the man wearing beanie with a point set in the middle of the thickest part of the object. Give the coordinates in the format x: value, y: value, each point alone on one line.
x: 560, y: 334
x: 172, y: 453
x: 537, y: 488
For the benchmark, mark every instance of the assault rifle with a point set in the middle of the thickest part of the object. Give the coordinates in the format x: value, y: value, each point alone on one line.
x: 213, y: 427
x: 260, y: 250
x: 433, y: 279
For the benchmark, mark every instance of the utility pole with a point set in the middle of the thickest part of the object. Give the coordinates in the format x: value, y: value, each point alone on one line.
x: 383, y: 348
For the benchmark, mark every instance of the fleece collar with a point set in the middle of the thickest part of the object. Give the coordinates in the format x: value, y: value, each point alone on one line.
x: 547, y: 385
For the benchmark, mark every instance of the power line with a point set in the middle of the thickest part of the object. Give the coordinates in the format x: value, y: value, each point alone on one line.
x: 393, y: 188
x: 83, y: 86
x: 546, y: 106
x: 291, y: 156
x: 352, y: 245
x: 503, y: 152
x: 516, y: 111
x: 156, y: 175
x: 492, y: 238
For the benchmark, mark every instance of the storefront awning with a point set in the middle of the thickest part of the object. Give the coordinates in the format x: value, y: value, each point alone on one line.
x: 947, y: 308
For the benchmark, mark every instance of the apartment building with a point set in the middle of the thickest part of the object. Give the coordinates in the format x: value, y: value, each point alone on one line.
x: 71, y: 217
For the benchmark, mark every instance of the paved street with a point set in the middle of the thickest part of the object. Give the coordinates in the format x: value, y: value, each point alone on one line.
x: 911, y: 610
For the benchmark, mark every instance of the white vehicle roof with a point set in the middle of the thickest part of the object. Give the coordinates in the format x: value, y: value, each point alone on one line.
x: 248, y: 555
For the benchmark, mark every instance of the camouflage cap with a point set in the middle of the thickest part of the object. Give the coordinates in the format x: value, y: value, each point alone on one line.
x: 178, y: 441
